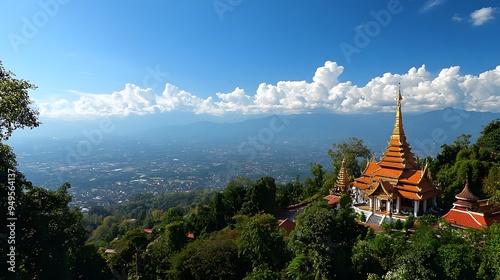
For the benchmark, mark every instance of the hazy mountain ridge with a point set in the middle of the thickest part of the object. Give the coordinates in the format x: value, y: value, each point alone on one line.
x: 426, y: 131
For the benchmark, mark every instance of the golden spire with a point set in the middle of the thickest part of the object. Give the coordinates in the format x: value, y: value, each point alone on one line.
x: 343, y: 182
x: 398, y: 131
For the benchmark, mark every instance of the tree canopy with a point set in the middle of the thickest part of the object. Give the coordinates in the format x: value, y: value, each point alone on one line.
x: 15, y: 110
x: 353, y: 151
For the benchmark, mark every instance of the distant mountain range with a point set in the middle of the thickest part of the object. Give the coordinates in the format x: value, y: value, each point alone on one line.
x: 426, y: 132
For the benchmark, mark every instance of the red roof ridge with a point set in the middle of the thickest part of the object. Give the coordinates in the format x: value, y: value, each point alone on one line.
x: 468, y: 211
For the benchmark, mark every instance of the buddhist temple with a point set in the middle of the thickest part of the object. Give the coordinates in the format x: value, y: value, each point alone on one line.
x: 470, y: 212
x: 397, y: 183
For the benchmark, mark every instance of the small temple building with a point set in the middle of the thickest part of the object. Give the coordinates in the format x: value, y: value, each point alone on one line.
x: 397, y: 183
x: 470, y: 212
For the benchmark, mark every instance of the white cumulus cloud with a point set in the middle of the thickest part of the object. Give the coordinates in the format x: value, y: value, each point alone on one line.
x: 479, y: 17
x: 421, y: 90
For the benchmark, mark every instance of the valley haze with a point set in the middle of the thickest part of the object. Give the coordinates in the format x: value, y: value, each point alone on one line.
x: 107, y: 160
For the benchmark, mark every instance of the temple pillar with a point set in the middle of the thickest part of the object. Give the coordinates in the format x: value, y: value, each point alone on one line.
x: 425, y: 206
x: 389, y: 207
x: 434, y: 202
x: 415, y: 207
x: 371, y: 203
x: 398, y: 204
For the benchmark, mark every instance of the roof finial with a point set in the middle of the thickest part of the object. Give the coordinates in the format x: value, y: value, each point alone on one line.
x: 398, y: 126
x: 399, y: 97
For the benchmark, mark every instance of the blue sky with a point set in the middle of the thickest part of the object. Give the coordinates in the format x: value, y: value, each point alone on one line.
x: 248, y: 57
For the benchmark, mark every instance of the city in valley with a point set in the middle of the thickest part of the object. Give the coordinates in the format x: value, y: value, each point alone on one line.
x: 110, y: 172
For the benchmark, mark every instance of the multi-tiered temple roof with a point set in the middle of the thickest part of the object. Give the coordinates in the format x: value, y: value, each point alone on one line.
x: 397, y: 173
x: 466, y: 199
x: 343, y: 182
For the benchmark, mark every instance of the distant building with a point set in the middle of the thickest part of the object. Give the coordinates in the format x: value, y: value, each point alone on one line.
x: 470, y: 212
x: 397, y: 183
x: 287, y: 225
x: 333, y: 200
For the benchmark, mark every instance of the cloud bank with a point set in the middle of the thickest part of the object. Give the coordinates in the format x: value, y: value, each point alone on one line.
x: 421, y: 92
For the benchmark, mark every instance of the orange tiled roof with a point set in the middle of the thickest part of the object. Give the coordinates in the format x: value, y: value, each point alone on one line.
x: 330, y: 196
x: 365, y: 179
x: 412, y: 176
x: 371, y: 167
x: 334, y: 200
x: 410, y: 195
x: 395, y: 157
x: 463, y: 219
x: 360, y: 186
x: 395, y: 142
x: 393, y: 154
x: 386, y: 172
x: 391, y: 164
x: 408, y: 187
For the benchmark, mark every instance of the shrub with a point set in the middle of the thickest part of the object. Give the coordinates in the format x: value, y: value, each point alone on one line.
x: 409, y: 223
x: 397, y: 224
x: 362, y: 217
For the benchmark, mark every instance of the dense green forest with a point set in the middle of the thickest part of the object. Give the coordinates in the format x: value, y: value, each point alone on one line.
x: 234, y: 233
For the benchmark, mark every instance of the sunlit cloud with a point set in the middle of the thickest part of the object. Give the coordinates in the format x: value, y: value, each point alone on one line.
x: 421, y: 90
x: 483, y: 15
